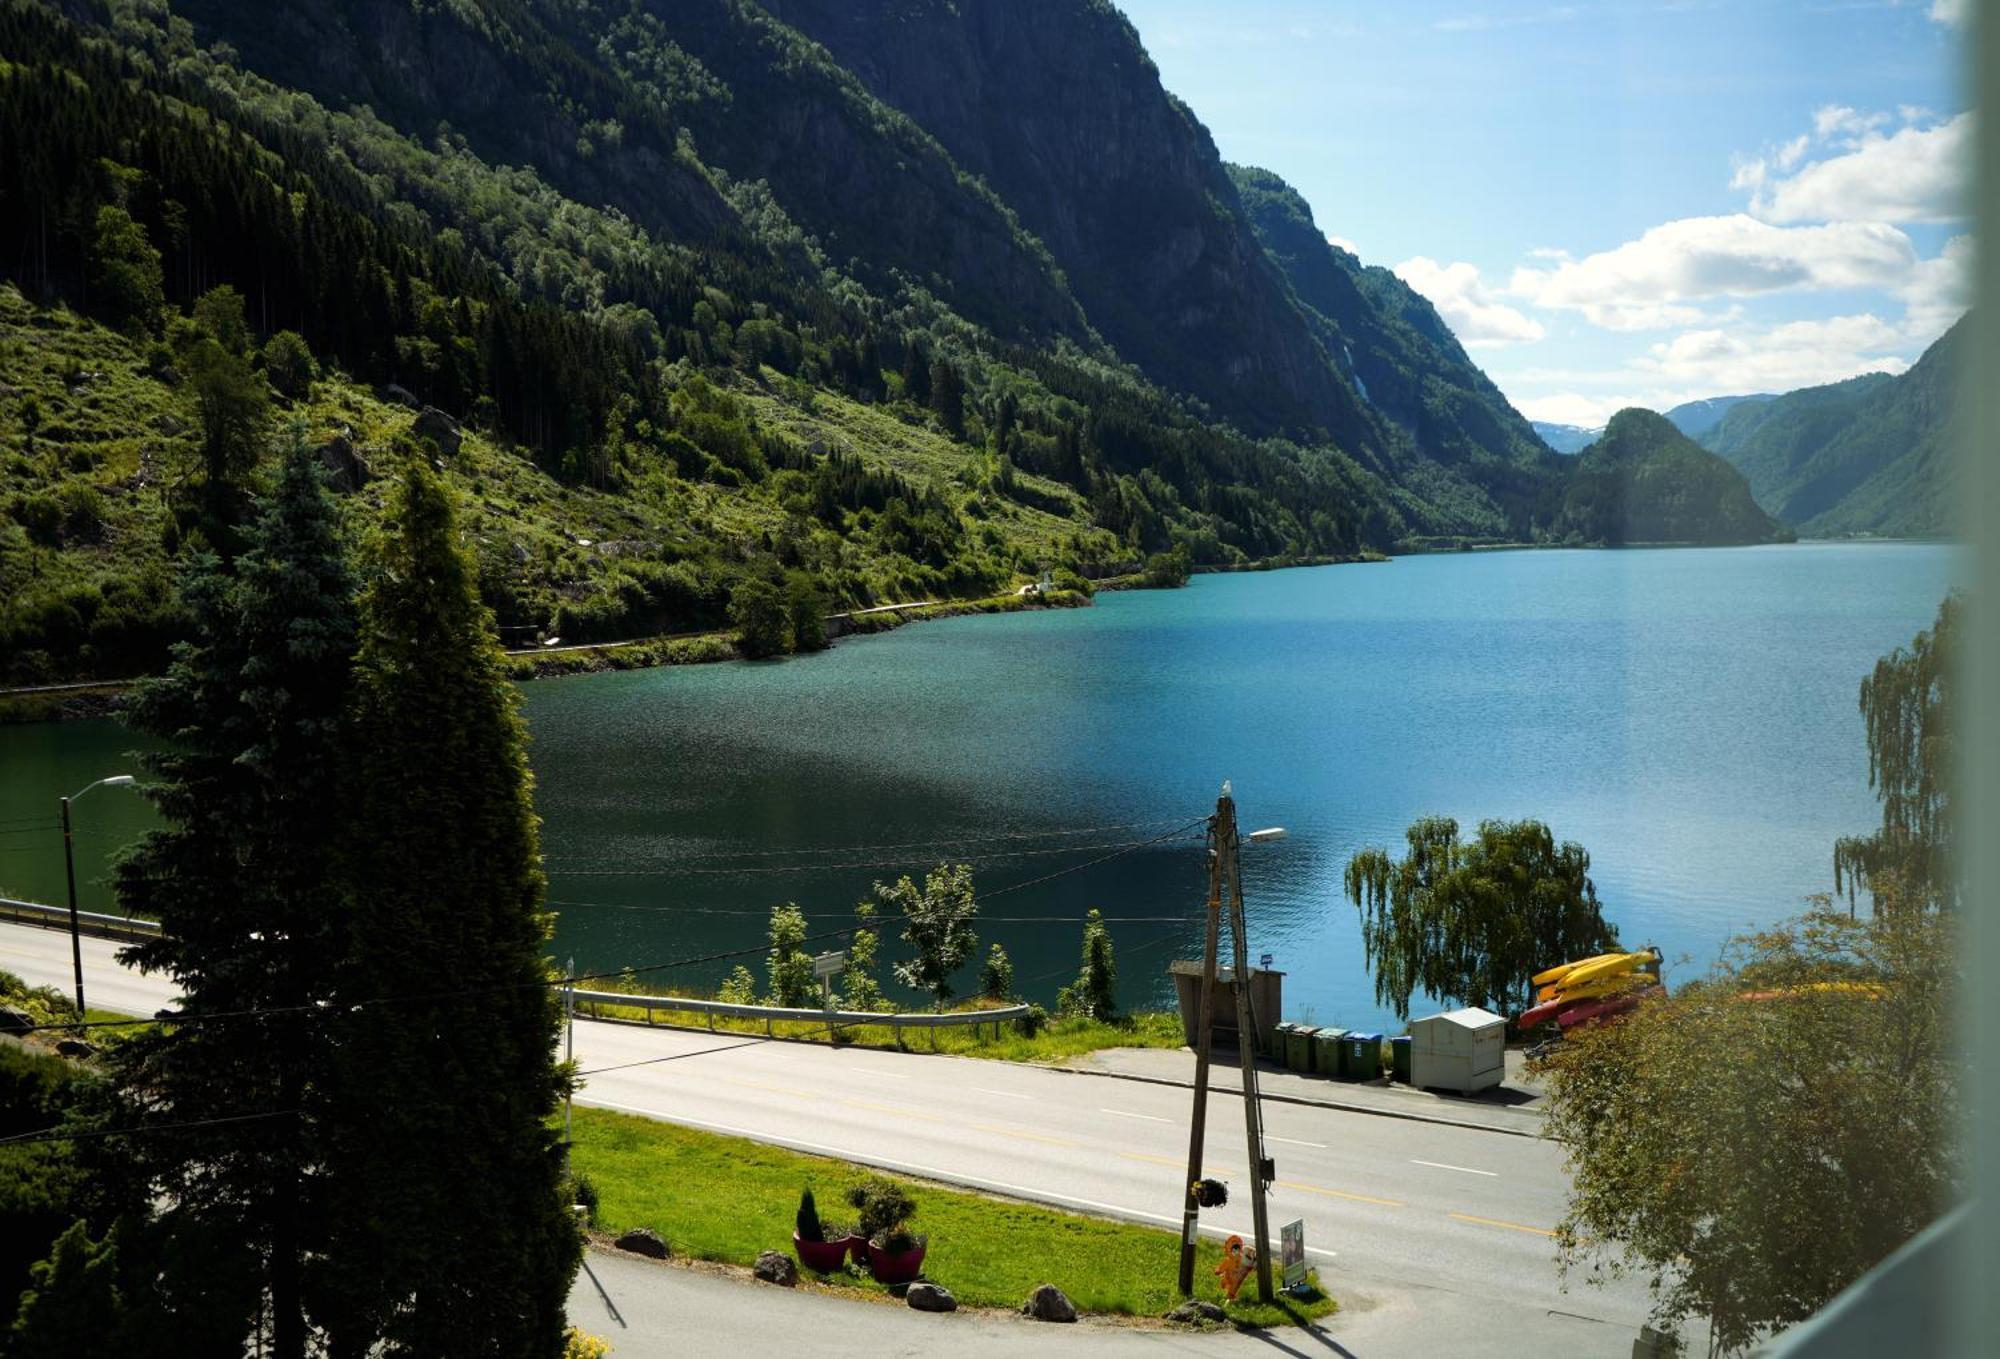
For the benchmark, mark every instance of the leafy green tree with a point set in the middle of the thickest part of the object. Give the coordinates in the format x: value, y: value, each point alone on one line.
x: 289, y: 366
x: 937, y: 924
x: 454, y: 1239
x: 1169, y: 570
x: 805, y: 612
x: 863, y: 991
x: 1761, y: 1139
x: 738, y: 988
x: 251, y: 724
x: 996, y: 974
x: 1472, y: 922
x: 790, y: 966
x: 1909, y: 709
x: 125, y: 280
x: 759, y: 615
x: 219, y: 314
x: 1094, y: 993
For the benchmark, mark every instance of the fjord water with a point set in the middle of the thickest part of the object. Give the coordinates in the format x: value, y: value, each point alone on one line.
x: 1688, y: 716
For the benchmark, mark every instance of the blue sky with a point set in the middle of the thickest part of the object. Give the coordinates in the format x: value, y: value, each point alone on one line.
x: 1615, y: 203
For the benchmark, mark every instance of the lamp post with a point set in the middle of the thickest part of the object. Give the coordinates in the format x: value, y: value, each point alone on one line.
x: 69, y: 870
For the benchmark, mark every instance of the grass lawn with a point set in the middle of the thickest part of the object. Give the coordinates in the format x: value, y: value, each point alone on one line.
x: 726, y: 1199
x: 1059, y: 1038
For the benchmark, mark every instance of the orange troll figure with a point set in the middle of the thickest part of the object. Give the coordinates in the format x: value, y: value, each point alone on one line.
x: 1238, y: 1261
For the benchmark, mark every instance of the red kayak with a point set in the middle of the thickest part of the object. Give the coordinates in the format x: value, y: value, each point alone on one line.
x: 1543, y: 1013
x: 1603, y: 1009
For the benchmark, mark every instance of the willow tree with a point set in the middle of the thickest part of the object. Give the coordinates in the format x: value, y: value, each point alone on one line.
x: 1471, y: 922
x: 1907, y: 707
x: 455, y: 1239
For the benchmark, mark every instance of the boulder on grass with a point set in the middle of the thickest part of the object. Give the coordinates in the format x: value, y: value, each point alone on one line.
x: 777, y: 1268
x: 1196, y: 1312
x: 433, y: 424
x: 1049, y: 1303
x: 11, y: 1018
x: 644, y: 1241
x: 75, y: 1047
x: 347, y: 470
x: 930, y: 1297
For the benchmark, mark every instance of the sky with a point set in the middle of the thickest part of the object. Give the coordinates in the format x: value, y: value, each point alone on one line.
x: 1616, y: 204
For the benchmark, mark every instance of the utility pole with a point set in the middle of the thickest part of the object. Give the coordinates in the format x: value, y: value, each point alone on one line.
x: 75, y: 929
x: 1224, y: 877
x: 569, y: 1050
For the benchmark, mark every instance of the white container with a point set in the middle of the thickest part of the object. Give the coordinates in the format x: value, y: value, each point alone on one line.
x: 1462, y: 1050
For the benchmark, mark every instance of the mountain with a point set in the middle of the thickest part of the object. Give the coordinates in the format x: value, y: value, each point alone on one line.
x: 1868, y: 455
x: 1644, y: 481
x: 1696, y: 418
x: 1566, y: 438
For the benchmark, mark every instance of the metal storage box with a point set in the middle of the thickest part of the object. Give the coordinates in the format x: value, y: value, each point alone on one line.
x: 1462, y: 1050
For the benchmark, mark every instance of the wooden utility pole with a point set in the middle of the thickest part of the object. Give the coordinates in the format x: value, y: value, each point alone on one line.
x: 1223, y: 876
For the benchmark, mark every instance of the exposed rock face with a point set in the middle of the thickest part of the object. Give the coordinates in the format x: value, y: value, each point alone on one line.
x: 1049, y: 1303
x: 930, y: 1297
x: 433, y: 424
x: 347, y: 471
x: 776, y: 1267
x: 644, y: 1241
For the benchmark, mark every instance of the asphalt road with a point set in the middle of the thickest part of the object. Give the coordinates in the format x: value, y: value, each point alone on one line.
x: 1431, y: 1235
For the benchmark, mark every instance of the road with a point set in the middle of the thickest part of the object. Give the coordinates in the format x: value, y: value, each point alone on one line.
x: 1397, y: 1213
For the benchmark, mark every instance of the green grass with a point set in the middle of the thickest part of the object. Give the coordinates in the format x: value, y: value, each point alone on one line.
x: 1058, y: 1039
x: 726, y: 1199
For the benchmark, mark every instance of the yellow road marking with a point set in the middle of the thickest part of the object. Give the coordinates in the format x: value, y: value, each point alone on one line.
x: 1026, y: 1136
x: 892, y: 1109
x: 1496, y: 1222
x: 1336, y: 1193
x: 1156, y: 1160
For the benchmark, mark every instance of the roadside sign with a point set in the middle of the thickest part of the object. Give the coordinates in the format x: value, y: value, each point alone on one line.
x: 829, y: 964
x: 1264, y: 961
x: 1292, y: 1252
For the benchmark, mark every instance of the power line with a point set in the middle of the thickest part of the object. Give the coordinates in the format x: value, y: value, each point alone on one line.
x: 663, y: 870
x: 56, y: 1134
x: 911, y: 844
x: 761, y: 912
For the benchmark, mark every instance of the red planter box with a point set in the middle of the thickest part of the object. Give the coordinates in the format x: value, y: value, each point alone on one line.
x: 896, y: 1267
x: 824, y: 1256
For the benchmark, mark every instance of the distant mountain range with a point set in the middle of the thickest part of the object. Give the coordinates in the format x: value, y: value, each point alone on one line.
x: 1566, y: 438
x: 1696, y: 418
x: 1871, y: 455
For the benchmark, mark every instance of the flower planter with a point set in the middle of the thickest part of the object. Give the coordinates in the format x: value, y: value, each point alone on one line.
x: 824, y: 1256
x: 896, y: 1267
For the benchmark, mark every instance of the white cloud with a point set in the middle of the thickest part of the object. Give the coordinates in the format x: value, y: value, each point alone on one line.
x: 1914, y: 174
x: 1342, y: 243
x: 1467, y: 305
x: 1793, y: 151
x: 1656, y: 281
x: 1938, y: 291
x: 1954, y: 12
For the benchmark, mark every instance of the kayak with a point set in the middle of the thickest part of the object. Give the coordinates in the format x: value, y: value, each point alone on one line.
x: 1604, y: 967
x: 1602, y: 1009
x: 1561, y: 970
x: 1543, y: 1013
x: 1610, y: 985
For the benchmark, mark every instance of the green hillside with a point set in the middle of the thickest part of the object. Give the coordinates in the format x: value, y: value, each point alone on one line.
x: 1871, y: 455
x: 1644, y: 481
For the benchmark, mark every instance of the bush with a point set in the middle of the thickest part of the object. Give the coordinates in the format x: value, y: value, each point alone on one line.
x: 884, y: 1207
x: 1033, y: 1022
x: 583, y: 1191
x: 759, y: 616
x: 580, y: 1344
x: 996, y: 974
x: 739, y: 989
x: 1094, y: 994
x: 289, y: 366
x: 41, y: 516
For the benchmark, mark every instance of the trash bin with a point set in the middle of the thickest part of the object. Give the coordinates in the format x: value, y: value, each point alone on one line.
x: 1399, y: 1057
x: 1362, y: 1056
x: 1326, y: 1051
x: 1299, y: 1047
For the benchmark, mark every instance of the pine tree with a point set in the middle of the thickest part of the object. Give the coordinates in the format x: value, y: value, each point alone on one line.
x: 244, y: 885
x: 461, y: 1243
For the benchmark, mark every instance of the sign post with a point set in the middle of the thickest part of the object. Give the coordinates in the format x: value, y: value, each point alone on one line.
x: 1292, y: 1253
x: 827, y: 966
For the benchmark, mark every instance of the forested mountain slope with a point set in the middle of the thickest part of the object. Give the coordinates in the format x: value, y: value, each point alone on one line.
x: 1644, y: 481
x: 1871, y: 455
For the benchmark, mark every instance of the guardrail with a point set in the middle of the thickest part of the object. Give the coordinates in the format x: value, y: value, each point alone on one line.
x: 596, y: 1001
x: 94, y: 923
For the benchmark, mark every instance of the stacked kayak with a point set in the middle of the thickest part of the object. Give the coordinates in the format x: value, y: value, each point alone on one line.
x: 1593, y: 989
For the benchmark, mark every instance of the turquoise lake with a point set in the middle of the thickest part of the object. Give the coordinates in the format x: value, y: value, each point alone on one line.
x: 1688, y: 716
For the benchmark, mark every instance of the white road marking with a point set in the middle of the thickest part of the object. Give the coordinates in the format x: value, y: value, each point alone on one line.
x: 1293, y: 1141
x: 1124, y: 1113
x: 1004, y: 1094
x: 1463, y: 1170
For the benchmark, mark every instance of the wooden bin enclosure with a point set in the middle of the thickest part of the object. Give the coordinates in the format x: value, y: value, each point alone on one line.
x: 1266, y: 1000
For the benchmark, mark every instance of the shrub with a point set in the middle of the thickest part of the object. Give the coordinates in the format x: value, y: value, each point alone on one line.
x: 1094, y: 994
x: 580, y: 1344
x: 759, y: 616
x: 739, y: 989
x: 289, y: 366
x: 884, y: 1207
x: 791, y: 967
x: 996, y: 974
x: 1033, y: 1022
x: 808, y: 1223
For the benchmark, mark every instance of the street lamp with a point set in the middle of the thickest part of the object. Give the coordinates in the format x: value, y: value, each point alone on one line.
x: 69, y: 869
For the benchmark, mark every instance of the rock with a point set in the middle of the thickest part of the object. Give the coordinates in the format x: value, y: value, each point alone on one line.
x: 1196, y: 1312
x: 644, y: 1241
x: 776, y: 1267
x: 521, y: 554
x: 76, y: 1047
x: 347, y: 471
x: 1049, y: 1303
x: 433, y: 424
x: 930, y: 1297
x: 402, y: 396
x: 11, y: 1018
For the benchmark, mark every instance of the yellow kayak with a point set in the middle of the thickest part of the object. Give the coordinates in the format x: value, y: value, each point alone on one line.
x: 1596, y: 968
x: 1562, y: 970
x: 1610, y: 985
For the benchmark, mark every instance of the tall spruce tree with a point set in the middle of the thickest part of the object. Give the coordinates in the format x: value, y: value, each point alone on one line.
x: 461, y: 1243
x: 242, y: 880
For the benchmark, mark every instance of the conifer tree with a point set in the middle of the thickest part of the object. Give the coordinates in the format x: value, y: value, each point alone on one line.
x: 460, y: 1243
x: 244, y: 885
